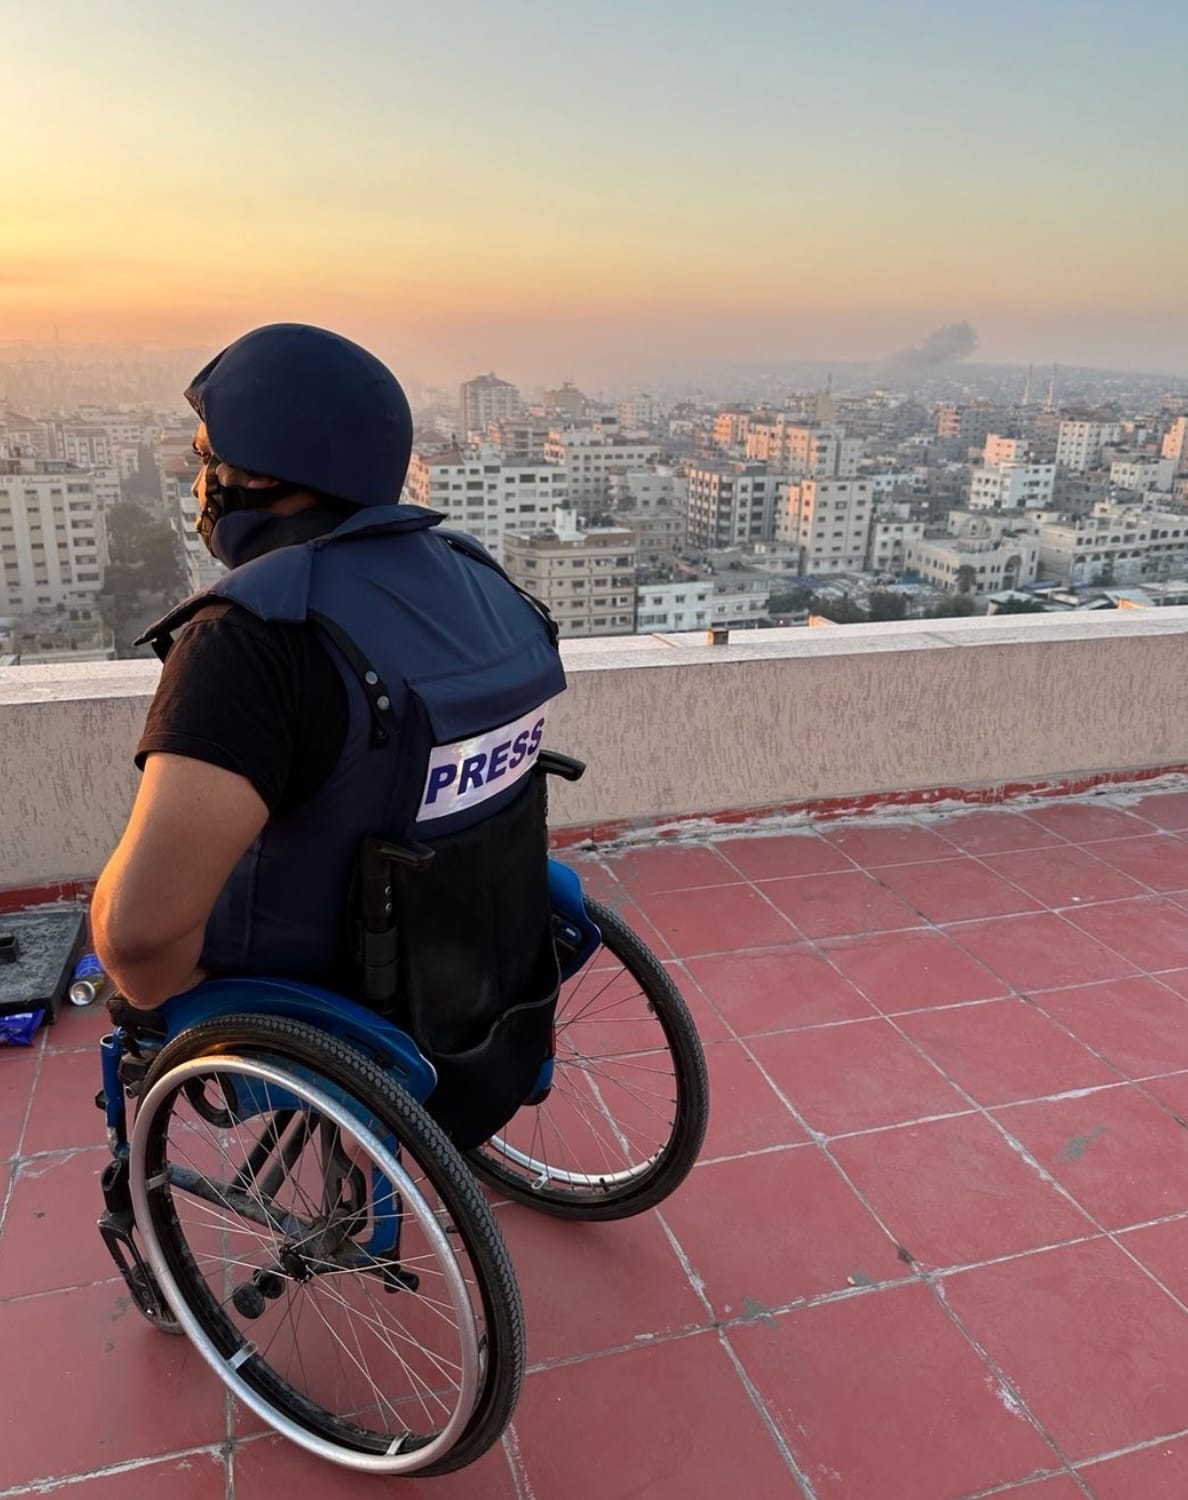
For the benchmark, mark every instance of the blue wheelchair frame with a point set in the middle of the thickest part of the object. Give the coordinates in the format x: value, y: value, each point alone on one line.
x: 334, y: 1014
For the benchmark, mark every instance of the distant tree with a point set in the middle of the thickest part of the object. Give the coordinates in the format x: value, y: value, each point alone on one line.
x: 125, y: 522
x: 887, y: 605
x: 841, y: 611
x: 952, y: 605
x: 967, y: 577
x: 1020, y: 607
x: 791, y: 602
x: 160, y: 565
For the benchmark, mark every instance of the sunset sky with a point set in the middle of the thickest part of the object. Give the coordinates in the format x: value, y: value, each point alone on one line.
x: 546, y: 188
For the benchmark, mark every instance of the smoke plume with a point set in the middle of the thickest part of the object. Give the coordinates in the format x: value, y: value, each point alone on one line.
x: 943, y: 346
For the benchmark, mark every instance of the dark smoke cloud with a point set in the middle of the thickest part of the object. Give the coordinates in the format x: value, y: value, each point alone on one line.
x: 943, y: 346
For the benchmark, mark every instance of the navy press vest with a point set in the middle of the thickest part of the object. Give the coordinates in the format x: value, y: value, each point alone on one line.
x: 448, y: 669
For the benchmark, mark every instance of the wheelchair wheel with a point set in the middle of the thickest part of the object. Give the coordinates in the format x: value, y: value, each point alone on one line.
x: 626, y: 1115
x: 325, y: 1247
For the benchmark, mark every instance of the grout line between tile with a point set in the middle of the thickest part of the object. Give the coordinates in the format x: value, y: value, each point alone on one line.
x: 126, y: 1466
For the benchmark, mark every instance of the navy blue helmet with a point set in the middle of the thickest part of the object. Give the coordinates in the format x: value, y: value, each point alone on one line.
x: 308, y: 407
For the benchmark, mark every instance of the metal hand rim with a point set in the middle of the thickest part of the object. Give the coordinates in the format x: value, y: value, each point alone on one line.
x: 224, y: 1366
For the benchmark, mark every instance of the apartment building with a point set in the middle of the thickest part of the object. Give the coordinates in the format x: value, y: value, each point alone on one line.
x: 53, y: 541
x: 829, y: 519
x: 731, y: 503
x: 484, y: 400
x: 1012, y: 486
x: 990, y: 564
x: 802, y: 449
x: 484, y: 494
x: 1117, y: 543
x: 1079, y: 442
x: 590, y: 458
x: 586, y: 577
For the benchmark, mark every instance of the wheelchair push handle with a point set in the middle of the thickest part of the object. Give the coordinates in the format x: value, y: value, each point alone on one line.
x: 553, y: 763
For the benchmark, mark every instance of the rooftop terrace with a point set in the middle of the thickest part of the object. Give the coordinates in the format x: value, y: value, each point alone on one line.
x: 937, y: 1245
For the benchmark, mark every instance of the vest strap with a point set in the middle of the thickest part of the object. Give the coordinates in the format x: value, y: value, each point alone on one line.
x: 384, y: 725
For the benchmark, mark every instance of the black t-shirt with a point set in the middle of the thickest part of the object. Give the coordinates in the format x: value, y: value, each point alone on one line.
x: 259, y: 698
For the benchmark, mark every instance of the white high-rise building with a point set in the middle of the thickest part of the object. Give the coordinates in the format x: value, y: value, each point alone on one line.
x: 591, y: 457
x: 1079, y: 443
x: 1012, y: 486
x: 53, y: 542
x: 486, y: 495
x: 730, y: 504
x: 484, y: 400
x: 830, y: 520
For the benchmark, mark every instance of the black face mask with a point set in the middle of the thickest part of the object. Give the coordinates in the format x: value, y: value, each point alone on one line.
x: 224, y: 499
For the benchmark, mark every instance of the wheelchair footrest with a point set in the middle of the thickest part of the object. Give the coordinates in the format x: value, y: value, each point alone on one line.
x: 117, y: 1228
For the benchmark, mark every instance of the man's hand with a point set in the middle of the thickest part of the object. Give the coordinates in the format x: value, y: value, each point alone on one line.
x: 190, y: 823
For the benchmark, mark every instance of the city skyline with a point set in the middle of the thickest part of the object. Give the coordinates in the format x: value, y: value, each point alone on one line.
x: 581, y: 193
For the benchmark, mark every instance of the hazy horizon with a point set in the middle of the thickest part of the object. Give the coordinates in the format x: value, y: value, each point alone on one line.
x: 581, y: 194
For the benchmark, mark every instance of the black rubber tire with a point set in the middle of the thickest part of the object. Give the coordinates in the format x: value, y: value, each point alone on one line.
x: 679, y: 1156
x: 357, y: 1075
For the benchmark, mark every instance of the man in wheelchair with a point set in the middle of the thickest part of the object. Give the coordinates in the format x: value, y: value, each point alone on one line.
x: 338, y: 764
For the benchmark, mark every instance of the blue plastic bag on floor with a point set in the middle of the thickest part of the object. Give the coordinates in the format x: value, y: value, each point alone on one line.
x: 19, y: 1030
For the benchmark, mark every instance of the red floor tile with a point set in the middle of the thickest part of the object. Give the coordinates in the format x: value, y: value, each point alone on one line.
x: 717, y: 919
x: 17, y: 1072
x: 1156, y: 1473
x: 1085, y: 822
x: 1120, y: 1155
x: 855, y: 1076
x: 1164, y: 809
x: 197, y: 1476
x: 953, y: 1192
x: 955, y: 890
x: 77, y: 1027
x: 597, y: 880
x: 880, y: 1395
x: 1163, y: 1249
x: 1059, y: 1487
x: 1093, y: 1346
x: 993, y: 831
x: 64, y: 1116
x: 818, y: 1238
x: 839, y: 905
x: 874, y: 844
x: 1064, y: 875
x: 1159, y: 860
x: 670, y: 867
x: 769, y: 858
x: 1172, y: 1092
x: 1137, y: 1024
x: 1175, y: 979
x: 588, y: 1287
x: 1004, y: 1051
x: 1149, y: 931
x: 670, y: 1422
x: 745, y: 1113
x: 777, y: 990
x: 49, y: 1239
x: 95, y: 1367
x: 272, y: 1467
x: 902, y: 971
x: 1040, y: 951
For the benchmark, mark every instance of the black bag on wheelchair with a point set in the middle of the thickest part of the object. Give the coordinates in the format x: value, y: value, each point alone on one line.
x: 457, y: 946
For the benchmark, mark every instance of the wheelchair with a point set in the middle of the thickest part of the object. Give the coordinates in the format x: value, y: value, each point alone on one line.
x: 284, y: 1198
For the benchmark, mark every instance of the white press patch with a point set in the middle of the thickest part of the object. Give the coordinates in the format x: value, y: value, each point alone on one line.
x: 470, y: 771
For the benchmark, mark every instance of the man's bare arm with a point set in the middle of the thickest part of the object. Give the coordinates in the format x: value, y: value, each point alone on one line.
x: 190, y: 823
